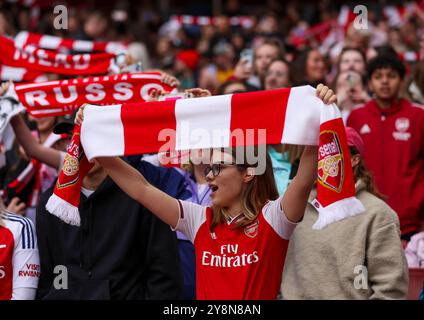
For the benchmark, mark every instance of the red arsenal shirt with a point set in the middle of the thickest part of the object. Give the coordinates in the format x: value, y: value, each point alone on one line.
x: 237, y: 263
x: 19, y: 259
x: 394, y: 153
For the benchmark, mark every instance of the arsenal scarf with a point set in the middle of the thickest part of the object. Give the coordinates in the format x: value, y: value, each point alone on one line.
x: 32, y: 58
x: 290, y: 116
x: 65, y: 199
x: 61, y: 97
x: 25, y: 38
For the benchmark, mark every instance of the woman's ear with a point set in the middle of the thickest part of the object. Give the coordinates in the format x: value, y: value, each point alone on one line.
x: 249, y: 174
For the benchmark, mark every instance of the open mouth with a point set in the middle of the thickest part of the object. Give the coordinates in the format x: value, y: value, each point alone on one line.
x: 213, y: 187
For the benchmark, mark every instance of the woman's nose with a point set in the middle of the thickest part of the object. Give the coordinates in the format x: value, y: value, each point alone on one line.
x: 209, y: 176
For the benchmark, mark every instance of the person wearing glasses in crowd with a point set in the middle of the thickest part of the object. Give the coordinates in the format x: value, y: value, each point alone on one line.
x: 242, y: 238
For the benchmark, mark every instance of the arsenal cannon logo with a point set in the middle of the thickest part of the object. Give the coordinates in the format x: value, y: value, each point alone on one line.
x: 251, y: 230
x: 330, y: 161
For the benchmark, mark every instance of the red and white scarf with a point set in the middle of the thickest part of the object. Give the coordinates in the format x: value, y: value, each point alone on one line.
x: 244, y: 21
x: 398, y: 15
x: 293, y: 116
x: 61, y: 97
x: 410, y: 56
x: 36, y: 59
x: 43, y: 41
x: 324, y: 31
x: 17, y: 74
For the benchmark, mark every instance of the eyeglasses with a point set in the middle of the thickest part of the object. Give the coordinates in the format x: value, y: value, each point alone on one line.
x: 216, y: 168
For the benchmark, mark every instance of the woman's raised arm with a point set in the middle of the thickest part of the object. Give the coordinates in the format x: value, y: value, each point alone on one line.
x: 296, y: 197
x: 132, y: 182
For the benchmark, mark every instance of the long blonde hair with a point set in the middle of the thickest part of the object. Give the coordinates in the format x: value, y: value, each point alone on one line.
x: 259, y: 190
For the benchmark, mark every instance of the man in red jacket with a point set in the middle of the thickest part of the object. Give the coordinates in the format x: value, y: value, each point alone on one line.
x: 393, y: 132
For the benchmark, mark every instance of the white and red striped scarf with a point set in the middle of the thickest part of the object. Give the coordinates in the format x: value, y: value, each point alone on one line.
x: 410, y: 56
x: 325, y: 30
x: 293, y: 116
x: 398, y: 15
x: 61, y: 97
x: 42, y: 60
x: 17, y: 74
x: 43, y: 41
x: 244, y: 21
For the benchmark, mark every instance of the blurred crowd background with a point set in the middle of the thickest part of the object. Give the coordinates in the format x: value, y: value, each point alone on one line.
x: 169, y: 35
x: 238, y: 46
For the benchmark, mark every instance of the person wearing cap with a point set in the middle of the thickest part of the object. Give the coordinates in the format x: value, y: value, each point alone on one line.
x: 359, y: 257
x: 185, y: 65
x: 121, y: 251
x: 132, y: 255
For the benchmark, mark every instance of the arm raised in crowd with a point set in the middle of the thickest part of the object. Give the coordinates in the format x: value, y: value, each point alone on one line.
x: 134, y: 183
x: 31, y: 146
x: 296, y: 197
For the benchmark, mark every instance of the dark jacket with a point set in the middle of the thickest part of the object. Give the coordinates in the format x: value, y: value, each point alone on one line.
x: 121, y: 250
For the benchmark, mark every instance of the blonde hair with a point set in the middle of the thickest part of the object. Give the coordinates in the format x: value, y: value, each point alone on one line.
x: 259, y: 190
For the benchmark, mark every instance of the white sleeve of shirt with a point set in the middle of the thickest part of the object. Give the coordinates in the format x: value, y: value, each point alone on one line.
x: 26, y: 260
x: 191, y: 217
x: 276, y: 217
x: 24, y: 293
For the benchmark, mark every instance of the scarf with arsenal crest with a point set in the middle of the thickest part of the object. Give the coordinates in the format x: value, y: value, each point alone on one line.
x: 288, y: 116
